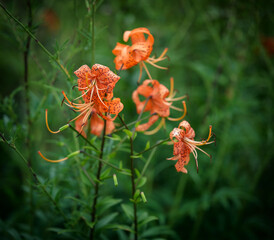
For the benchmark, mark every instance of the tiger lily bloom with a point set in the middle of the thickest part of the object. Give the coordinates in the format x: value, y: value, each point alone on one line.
x: 96, y: 85
x: 184, y: 144
x: 139, y: 52
x: 159, y: 102
x: 96, y: 125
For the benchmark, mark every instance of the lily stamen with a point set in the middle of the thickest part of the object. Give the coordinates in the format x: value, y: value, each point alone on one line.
x: 52, y: 161
x: 180, y: 118
x: 54, y: 132
x: 162, y: 122
x: 145, y: 67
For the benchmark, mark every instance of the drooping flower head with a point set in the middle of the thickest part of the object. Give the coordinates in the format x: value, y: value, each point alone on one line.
x: 96, y: 85
x: 158, y: 102
x: 139, y: 52
x: 184, y: 144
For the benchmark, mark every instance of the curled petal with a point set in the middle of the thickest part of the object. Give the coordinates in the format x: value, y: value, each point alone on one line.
x: 176, y: 133
x: 129, y: 56
x: 180, y: 168
x: 83, y: 72
x: 145, y: 126
x: 189, y: 132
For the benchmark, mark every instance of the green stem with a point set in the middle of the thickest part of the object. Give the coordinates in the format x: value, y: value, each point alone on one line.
x: 92, y: 32
x: 155, y: 145
x: 27, y: 102
x: 102, y: 161
x: 93, y: 213
x: 86, y: 140
x: 133, y: 186
x: 37, y: 41
x: 146, y: 165
x: 38, y: 182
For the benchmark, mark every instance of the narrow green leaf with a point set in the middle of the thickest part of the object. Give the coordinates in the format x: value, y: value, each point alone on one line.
x: 136, y: 194
x: 104, y: 221
x: 128, y: 210
x: 119, y: 226
x: 141, y: 182
x: 147, y: 145
x: 147, y: 220
x: 128, y: 133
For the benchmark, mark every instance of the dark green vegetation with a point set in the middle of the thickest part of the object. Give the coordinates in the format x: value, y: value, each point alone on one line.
x: 216, y: 57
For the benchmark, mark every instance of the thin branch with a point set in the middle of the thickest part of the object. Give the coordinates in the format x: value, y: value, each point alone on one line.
x: 86, y: 140
x: 155, y: 145
x: 93, y: 213
x: 37, y: 181
x: 37, y: 41
x: 133, y: 186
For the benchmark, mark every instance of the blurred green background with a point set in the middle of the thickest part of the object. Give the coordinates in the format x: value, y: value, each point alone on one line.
x: 221, y: 54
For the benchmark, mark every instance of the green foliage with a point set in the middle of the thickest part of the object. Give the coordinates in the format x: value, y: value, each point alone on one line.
x: 216, y: 57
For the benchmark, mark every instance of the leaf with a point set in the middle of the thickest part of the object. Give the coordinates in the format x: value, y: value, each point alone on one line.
x: 114, y: 137
x: 81, y: 202
x: 106, y: 203
x: 136, y: 194
x: 106, y: 174
x: 88, y: 223
x: 62, y: 230
x: 158, y: 231
x: 85, y: 179
x: 15, y: 235
x: 136, y: 156
x: 119, y: 226
x: 147, y: 145
x: 128, y: 133
x: 126, y: 172
x: 147, y: 220
x: 128, y: 210
x: 141, y: 182
x: 137, y: 172
x: 104, y: 221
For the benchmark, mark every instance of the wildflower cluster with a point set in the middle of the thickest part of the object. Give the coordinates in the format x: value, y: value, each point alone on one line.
x: 97, y: 103
x: 159, y: 99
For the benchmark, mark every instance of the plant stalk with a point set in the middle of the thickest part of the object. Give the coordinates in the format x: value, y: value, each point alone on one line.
x: 133, y: 186
x: 56, y: 60
x: 93, y: 213
x: 27, y: 103
x: 37, y: 181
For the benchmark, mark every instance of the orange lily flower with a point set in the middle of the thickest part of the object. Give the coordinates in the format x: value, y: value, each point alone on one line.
x: 96, y: 125
x: 139, y: 52
x: 96, y: 85
x: 159, y: 103
x: 268, y: 44
x: 184, y: 144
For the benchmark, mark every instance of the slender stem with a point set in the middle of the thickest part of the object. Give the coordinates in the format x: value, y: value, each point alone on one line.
x: 27, y: 102
x: 92, y: 32
x: 56, y: 60
x: 93, y: 213
x: 155, y: 145
x: 146, y: 165
x: 102, y: 161
x: 37, y: 181
x: 87, y: 141
x: 133, y: 186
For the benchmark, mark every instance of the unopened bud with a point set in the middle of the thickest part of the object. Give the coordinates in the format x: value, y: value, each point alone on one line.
x: 143, y: 197
x: 63, y: 127
x: 73, y: 154
x: 115, y: 180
